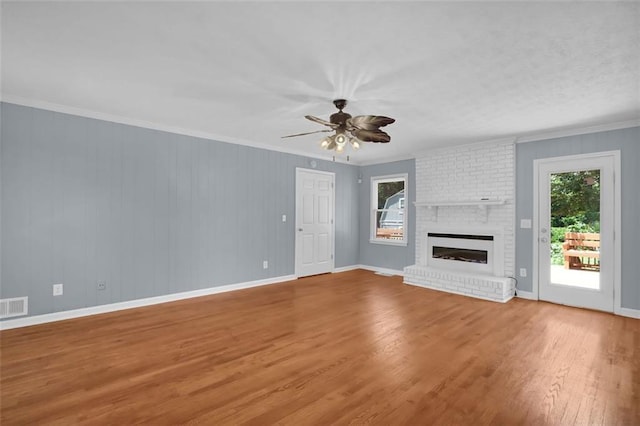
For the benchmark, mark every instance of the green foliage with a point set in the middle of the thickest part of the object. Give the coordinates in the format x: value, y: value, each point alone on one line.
x: 556, y: 254
x: 387, y: 189
x: 575, y: 200
x: 557, y: 234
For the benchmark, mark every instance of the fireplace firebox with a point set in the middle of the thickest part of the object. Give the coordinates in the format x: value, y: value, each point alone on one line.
x: 464, y: 251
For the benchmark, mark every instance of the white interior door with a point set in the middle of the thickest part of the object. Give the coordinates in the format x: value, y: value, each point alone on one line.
x: 314, y: 222
x: 586, y: 277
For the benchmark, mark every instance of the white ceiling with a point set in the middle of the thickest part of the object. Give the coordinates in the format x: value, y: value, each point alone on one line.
x: 449, y: 73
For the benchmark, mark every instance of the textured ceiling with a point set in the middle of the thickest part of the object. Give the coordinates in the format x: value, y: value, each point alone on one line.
x: 450, y: 73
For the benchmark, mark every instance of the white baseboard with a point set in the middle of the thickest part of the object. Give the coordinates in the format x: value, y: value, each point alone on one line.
x: 112, y: 307
x: 345, y: 268
x: 369, y: 268
x: 382, y: 270
x: 628, y: 312
x: 525, y: 294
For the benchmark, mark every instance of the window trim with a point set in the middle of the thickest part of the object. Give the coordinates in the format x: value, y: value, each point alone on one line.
x: 373, y: 208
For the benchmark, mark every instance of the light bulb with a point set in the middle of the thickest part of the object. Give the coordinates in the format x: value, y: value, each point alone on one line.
x: 340, y: 148
x: 325, y: 143
x: 355, y: 144
x: 341, y: 139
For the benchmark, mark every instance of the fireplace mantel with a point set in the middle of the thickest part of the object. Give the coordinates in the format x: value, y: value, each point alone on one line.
x: 482, y: 205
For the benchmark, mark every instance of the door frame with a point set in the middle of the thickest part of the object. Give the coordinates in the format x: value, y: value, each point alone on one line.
x: 296, y: 247
x: 617, y: 218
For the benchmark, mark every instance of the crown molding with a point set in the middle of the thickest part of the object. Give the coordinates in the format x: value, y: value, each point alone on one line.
x: 445, y: 145
x: 553, y: 134
x: 81, y: 112
x: 387, y: 160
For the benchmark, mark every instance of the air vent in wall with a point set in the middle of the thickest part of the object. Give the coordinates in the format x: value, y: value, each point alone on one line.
x: 13, y: 307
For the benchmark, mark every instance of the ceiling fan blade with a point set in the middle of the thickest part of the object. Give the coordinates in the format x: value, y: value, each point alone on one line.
x: 369, y: 122
x: 371, y: 135
x: 321, y: 121
x: 307, y: 133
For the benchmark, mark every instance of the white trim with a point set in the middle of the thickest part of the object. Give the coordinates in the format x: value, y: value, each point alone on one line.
x: 386, y: 160
x: 617, y: 233
x: 346, y: 269
x: 525, y: 295
x: 535, y: 231
x: 617, y: 220
x: 553, y: 134
x: 382, y: 241
x: 382, y: 270
x: 113, y: 307
x: 369, y: 268
x: 82, y: 112
x: 628, y: 312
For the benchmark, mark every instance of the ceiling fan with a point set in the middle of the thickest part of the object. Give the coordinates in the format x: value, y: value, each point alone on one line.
x: 348, y: 129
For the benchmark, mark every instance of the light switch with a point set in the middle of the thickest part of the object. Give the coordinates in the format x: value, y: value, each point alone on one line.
x: 284, y: 217
x: 525, y: 223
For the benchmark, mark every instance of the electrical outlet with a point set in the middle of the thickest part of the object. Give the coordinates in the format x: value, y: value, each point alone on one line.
x: 265, y: 264
x: 102, y: 285
x: 523, y: 272
x: 57, y: 289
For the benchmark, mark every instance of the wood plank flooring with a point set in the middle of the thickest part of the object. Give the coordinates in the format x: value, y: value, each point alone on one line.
x: 348, y: 348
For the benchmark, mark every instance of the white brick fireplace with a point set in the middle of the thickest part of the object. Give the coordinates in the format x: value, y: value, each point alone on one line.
x: 465, y: 221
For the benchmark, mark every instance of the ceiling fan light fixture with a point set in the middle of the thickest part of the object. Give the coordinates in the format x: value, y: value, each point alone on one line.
x: 349, y: 130
x: 332, y: 144
x: 325, y: 142
x: 341, y: 139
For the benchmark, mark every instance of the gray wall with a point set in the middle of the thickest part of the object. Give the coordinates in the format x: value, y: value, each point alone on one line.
x: 625, y: 140
x: 380, y: 255
x: 155, y: 213
x: 150, y: 212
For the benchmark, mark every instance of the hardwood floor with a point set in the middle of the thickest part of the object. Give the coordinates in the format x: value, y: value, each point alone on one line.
x: 345, y: 348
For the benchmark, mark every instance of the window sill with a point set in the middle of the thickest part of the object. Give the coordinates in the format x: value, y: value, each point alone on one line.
x: 388, y: 242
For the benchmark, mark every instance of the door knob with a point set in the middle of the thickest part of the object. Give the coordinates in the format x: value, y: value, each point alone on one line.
x: 300, y: 229
x: 543, y: 230
x: 543, y: 240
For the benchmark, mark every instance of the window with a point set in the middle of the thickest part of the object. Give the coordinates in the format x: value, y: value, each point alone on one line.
x: 389, y: 210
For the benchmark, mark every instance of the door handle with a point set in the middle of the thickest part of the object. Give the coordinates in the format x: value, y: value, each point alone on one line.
x: 300, y: 229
